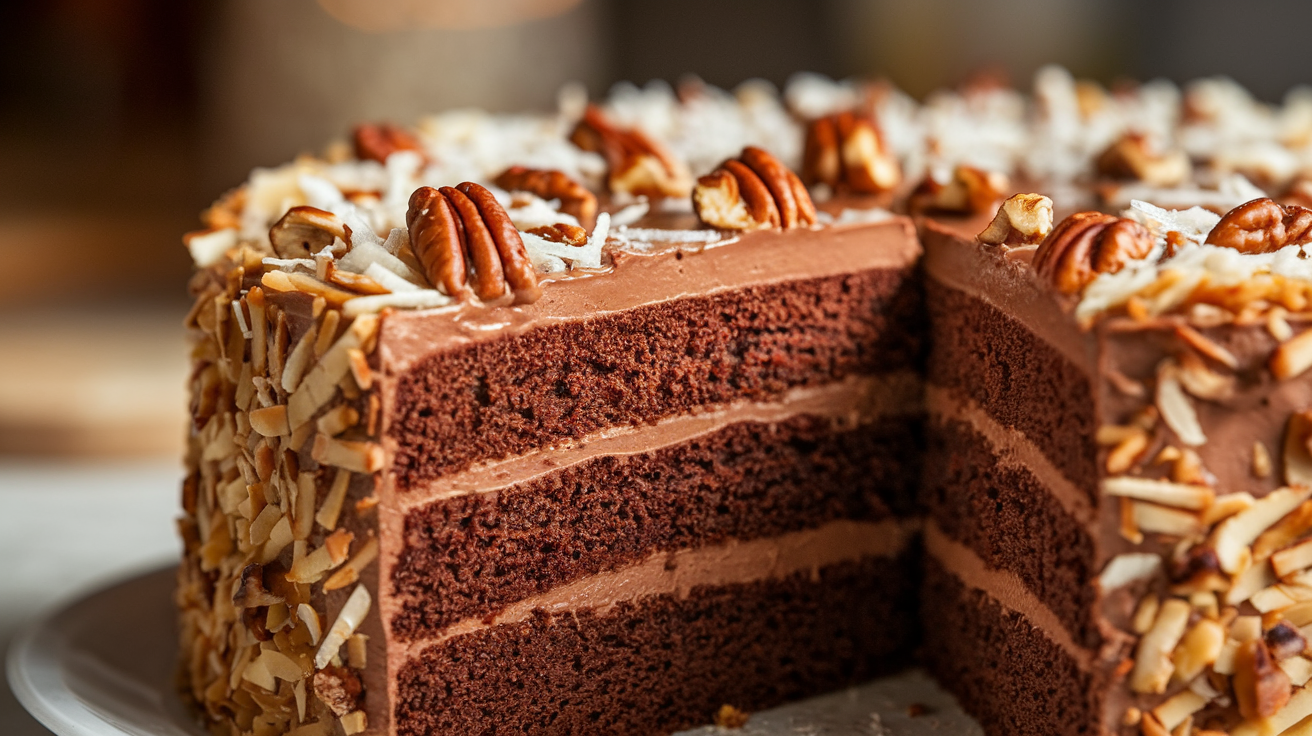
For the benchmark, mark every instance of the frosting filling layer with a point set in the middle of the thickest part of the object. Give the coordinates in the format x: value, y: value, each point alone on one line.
x: 679, y: 572
x: 1003, y: 587
x: 852, y: 401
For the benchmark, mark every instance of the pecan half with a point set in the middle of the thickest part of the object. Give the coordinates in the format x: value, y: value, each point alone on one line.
x: 1023, y: 219
x: 638, y: 165
x: 848, y: 153
x: 969, y: 191
x: 459, y: 231
x: 377, y: 141
x: 1087, y: 244
x: 575, y: 199
x: 751, y: 192
x: 304, y: 231
x: 1134, y: 157
x: 1263, y: 226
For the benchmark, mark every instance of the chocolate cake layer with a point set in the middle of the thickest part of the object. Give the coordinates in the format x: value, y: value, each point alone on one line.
x: 1011, y: 520
x: 666, y: 662
x: 1003, y: 669
x: 473, y: 554
x: 1015, y: 376
x: 492, y: 399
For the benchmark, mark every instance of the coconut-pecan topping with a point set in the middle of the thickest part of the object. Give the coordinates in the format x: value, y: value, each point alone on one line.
x: 848, y: 152
x: 753, y: 191
x: 304, y: 231
x: 969, y: 191
x: 377, y: 141
x: 575, y: 199
x: 1133, y: 156
x: 1087, y: 244
x: 461, y: 231
x: 638, y: 165
x: 1263, y: 226
x: 1023, y: 219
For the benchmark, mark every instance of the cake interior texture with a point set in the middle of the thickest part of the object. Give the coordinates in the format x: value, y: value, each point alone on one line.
x: 627, y: 434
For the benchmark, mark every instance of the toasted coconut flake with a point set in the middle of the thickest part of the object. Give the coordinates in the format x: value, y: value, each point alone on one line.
x: 258, y: 674
x: 1232, y: 537
x: 1277, y: 325
x: 1298, y: 460
x: 360, y: 457
x: 357, y: 651
x: 270, y: 421
x: 207, y: 247
x: 1292, y: 357
x: 263, y: 524
x: 308, y: 616
x: 281, y: 666
x: 351, y: 571
x: 348, y: 620
x: 1145, y: 614
x: 1284, y: 532
x: 1227, y: 505
x: 1261, y: 461
x: 1153, y: 666
x: 1150, y: 726
x: 1270, y: 599
x: 1178, y: 707
x: 1207, y: 347
x: 312, y: 567
x: 1198, y: 649
x: 1298, y: 669
x: 354, y: 722
x: 279, y: 537
x: 299, y: 360
x: 364, y: 377
x: 1156, y: 519
x: 1127, y: 568
x: 1195, y: 498
x: 332, y: 503
x: 306, y: 284
x: 1176, y: 410
x: 317, y: 728
x: 337, y: 420
x: 1293, y: 559
x: 321, y: 382
x: 1249, y: 582
x: 303, y: 511
x: 1125, y: 454
x: 1203, y: 382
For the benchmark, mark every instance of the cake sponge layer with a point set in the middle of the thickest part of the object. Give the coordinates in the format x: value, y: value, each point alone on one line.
x: 664, y: 662
x: 495, y: 399
x: 473, y: 554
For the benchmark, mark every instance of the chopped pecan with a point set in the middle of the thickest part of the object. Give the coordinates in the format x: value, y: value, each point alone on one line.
x: 456, y: 226
x: 848, y: 153
x: 638, y: 165
x: 969, y: 191
x: 304, y: 231
x: 377, y: 141
x: 339, y: 688
x: 1261, y: 688
x: 1087, y: 244
x: 1134, y: 156
x: 575, y: 199
x: 1263, y: 226
x: 250, y: 591
x: 753, y: 191
x: 561, y: 232
x: 1023, y: 219
x: 1284, y: 640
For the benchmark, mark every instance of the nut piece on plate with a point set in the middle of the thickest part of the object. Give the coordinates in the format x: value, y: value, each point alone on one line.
x: 1263, y: 226
x: 638, y: 165
x: 969, y: 191
x: 575, y: 199
x: 1087, y: 244
x: 848, y: 153
x: 1023, y: 219
x: 454, y: 226
x: 1134, y: 156
x: 304, y: 231
x: 377, y: 141
x: 751, y: 192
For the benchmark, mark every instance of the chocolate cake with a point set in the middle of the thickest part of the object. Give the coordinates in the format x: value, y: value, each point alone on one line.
x: 596, y: 422
x: 477, y: 461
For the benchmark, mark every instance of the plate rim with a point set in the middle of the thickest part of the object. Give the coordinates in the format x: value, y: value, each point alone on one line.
x: 33, y: 663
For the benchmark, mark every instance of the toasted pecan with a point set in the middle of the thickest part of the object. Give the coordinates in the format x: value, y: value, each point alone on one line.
x: 848, y: 153
x: 753, y: 191
x: 1263, y: 226
x: 1087, y: 244
x: 638, y: 165
x: 377, y: 141
x: 575, y: 199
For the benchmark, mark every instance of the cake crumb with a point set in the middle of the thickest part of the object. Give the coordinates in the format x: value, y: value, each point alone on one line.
x: 915, y: 710
x: 730, y: 717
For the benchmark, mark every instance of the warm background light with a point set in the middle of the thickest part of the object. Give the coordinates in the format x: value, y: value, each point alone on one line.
x: 379, y: 16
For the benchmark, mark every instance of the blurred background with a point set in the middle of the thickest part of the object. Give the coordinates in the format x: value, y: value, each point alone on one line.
x: 121, y: 119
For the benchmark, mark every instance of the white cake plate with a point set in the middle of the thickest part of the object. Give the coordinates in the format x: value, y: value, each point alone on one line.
x: 104, y: 666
